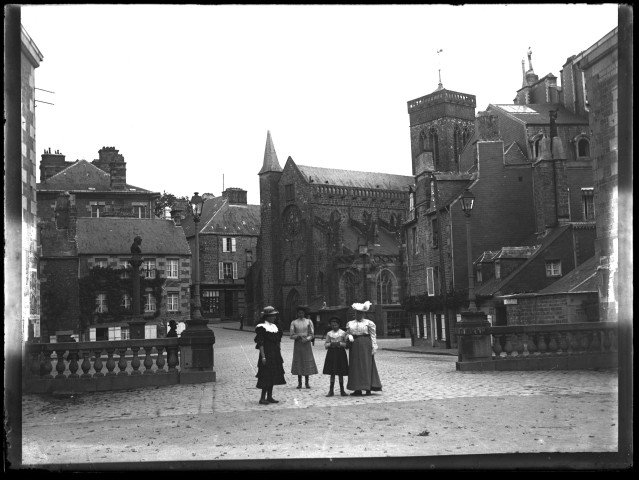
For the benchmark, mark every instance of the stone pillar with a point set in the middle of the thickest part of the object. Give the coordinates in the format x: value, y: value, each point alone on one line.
x: 473, y: 342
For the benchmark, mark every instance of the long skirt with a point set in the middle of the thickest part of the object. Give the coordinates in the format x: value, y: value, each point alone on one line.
x: 303, y: 360
x: 336, y: 362
x: 362, y: 371
x: 273, y: 372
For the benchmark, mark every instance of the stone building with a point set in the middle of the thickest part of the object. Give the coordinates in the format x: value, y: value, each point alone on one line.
x: 30, y: 58
x: 89, y: 217
x: 524, y: 188
x: 228, y: 236
x: 328, y: 238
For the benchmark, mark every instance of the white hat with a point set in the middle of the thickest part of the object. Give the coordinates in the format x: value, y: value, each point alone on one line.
x: 362, y: 307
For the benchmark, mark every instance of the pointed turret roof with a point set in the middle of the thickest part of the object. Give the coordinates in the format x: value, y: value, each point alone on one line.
x: 271, y: 164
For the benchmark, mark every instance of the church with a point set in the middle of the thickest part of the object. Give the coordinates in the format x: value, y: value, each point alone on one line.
x: 329, y: 238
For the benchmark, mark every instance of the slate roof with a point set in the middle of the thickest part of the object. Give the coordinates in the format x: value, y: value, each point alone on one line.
x: 224, y: 218
x: 540, y: 115
x: 493, y: 286
x: 83, y: 175
x: 352, y: 178
x: 513, y: 155
x: 114, y: 236
x: 582, y: 279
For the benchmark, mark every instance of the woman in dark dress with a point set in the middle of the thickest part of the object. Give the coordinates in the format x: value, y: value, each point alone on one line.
x: 270, y: 364
x: 362, y: 370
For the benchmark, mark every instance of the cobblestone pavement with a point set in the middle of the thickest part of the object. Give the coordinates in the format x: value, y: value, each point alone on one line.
x: 416, y: 388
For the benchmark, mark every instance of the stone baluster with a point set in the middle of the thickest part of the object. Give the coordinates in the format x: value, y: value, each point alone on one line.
x: 563, y: 344
x: 584, y: 341
x: 519, y: 345
x: 595, y: 344
x: 35, y: 364
x: 73, y: 363
x: 525, y: 342
x: 613, y: 338
x: 86, y: 364
x: 47, y: 367
x: 97, y: 364
x: 532, y: 347
x: 542, y: 345
x: 135, y: 362
x: 553, y: 345
x: 172, y: 359
x: 508, y: 346
x: 573, y: 344
x: 607, y: 342
x: 148, y: 361
x: 497, y: 345
x: 110, y: 363
x: 60, y: 365
x: 122, y: 362
x: 159, y: 361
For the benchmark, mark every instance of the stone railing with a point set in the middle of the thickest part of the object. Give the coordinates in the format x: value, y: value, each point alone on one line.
x: 538, y: 347
x: 105, y: 365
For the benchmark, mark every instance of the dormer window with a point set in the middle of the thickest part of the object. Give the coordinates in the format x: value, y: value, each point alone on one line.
x: 583, y: 148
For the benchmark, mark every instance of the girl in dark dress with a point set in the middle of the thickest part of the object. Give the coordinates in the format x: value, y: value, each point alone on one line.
x: 270, y: 364
x: 336, y: 362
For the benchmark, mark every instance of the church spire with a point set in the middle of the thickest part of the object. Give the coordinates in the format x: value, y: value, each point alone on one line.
x: 523, y: 73
x: 271, y: 164
x: 440, y: 86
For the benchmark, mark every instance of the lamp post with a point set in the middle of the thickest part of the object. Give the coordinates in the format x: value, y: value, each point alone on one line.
x: 197, y: 203
x: 196, y: 341
x: 473, y: 338
x: 467, y: 203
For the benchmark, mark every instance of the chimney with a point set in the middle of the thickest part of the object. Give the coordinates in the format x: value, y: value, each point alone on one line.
x: 235, y: 196
x: 176, y: 213
x: 66, y: 214
x: 550, y: 180
x: 113, y: 163
x: 51, y: 163
x: 487, y: 126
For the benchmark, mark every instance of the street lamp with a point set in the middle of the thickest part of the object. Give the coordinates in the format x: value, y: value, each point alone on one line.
x: 467, y: 203
x: 197, y: 203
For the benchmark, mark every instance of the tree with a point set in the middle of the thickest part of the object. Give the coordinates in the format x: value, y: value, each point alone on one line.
x: 166, y: 200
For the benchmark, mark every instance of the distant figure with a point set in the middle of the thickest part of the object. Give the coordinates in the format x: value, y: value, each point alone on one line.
x: 336, y: 362
x: 241, y: 322
x: 135, y: 246
x: 303, y: 333
x: 362, y: 336
x: 172, y: 329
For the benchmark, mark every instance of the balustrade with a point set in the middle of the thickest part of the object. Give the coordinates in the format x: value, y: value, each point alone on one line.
x: 536, y: 341
x: 88, y: 357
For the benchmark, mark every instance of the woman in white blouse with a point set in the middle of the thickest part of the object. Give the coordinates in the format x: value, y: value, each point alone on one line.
x: 362, y: 371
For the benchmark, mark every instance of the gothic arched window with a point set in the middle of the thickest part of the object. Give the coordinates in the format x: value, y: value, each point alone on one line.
x: 385, y: 287
x: 298, y: 270
x: 433, y: 141
x: 349, y: 282
x: 583, y: 148
x: 287, y: 270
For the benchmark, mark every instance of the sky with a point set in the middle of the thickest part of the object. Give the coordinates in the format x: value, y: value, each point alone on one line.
x: 187, y: 93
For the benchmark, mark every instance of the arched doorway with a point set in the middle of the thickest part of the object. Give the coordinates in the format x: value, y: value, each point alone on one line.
x: 289, y: 314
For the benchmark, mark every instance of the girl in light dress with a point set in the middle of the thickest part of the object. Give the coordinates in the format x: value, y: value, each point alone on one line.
x: 336, y: 362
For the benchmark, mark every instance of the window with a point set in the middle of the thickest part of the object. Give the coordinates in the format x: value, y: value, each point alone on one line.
x: 125, y: 333
x: 96, y: 209
x: 536, y: 148
x: 583, y: 148
x: 497, y: 270
x: 172, y: 302
x: 115, y: 333
x: 478, y: 275
x: 172, y: 268
x: 139, y: 211
x: 430, y: 281
x: 211, y: 301
x: 148, y: 267
x: 228, y: 244
x: 411, y: 203
x: 101, y: 262
x: 124, y: 264
x: 588, y: 200
x: 289, y: 192
x: 126, y: 302
x: 415, y: 244
x: 249, y: 259
x: 298, y: 270
x: 228, y: 270
x: 149, y: 303
x: 350, y: 288
x: 101, y: 303
x: 434, y: 144
x: 435, y: 231
x: 553, y: 268
x: 150, y: 331
x: 385, y: 287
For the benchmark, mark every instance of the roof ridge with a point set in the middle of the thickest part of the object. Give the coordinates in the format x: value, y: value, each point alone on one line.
x: 77, y: 162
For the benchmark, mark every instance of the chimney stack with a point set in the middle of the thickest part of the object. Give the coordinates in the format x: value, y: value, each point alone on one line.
x: 51, y: 163
x: 235, y: 196
x: 487, y: 126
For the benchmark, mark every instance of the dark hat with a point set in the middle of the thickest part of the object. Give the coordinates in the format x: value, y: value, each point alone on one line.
x: 172, y: 322
x: 303, y: 307
x: 268, y: 311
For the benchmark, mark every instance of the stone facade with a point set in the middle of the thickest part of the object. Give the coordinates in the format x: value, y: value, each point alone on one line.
x: 600, y: 66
